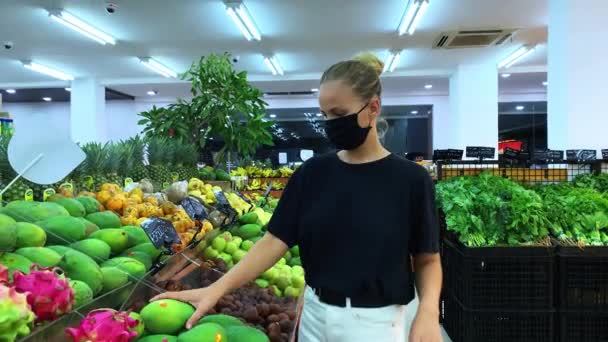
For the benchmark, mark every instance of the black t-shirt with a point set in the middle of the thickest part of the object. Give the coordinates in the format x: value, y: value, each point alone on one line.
x: 358, y: 224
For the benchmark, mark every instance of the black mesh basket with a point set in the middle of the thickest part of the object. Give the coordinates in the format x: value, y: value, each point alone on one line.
x: 582, y: 281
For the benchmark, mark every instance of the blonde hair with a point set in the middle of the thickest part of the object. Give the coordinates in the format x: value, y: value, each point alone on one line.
x: 362, y: 73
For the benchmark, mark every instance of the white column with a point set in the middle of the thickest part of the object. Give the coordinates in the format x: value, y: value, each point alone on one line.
x: 87, y: 111
x: 473, y: 118
x: 577, y: 74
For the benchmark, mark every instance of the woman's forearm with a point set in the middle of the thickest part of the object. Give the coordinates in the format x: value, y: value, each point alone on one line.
x: 263, y: 255
x: 429, y: 278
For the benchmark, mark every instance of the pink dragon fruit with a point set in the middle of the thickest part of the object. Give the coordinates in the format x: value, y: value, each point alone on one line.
x: 15, y: 314
x: 49, y: 295
x: 104, y: 325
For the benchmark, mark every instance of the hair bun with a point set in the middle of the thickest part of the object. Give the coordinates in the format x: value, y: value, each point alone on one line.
x: 371, y: 60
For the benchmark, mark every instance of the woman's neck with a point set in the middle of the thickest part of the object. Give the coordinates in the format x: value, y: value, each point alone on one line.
x: 371, y: 150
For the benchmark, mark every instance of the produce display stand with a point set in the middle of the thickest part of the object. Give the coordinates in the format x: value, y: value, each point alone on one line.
x: 527, y: 293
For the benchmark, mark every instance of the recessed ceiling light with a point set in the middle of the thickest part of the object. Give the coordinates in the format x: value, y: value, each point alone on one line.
x: 210, y: 138
x: 414, y: 112
x: 505, y: 75
x: 319, y: 115
x: 272, y: 116
x: 545, y: 83
x: 314, y: 90
x: 68, y: 89
x: 47, y: 99
x: 519, y: 108
x: 428, y: 86
x: 152, y: 92
x: 11, y: 91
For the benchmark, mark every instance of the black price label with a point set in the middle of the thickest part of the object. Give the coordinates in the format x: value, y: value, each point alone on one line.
x: 480, y: 152
x: 268, y: 190
x: 449, y: 154
x: 222, y: 203
x: 194, y: 208
x: 555, y: 155
x: 161, y: 232
x: 581, y: 155
x: 541, y: 156
x: 605, y: 154
x: 243, y: 197
x: 511, y: 153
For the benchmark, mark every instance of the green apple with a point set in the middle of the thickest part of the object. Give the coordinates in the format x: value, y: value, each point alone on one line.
x: 295, y: 262
x: 298, y: 281
x: 282, y: 261
x: 263, y: 283
x: 246, y: 245
x: 295, y: 251
x: 210, y: 253
x: 282, y: 282
x: 219, y: 243
x: 238, y: 255
x: 227, y: 236
x: 287, y: 255
x: 284, y: 269
x: 237, y: 240
x: 292, y: 292
x: 277, y: 291
x: 270, y: 274
x: 231, y: 247
x: 297, y: 270
x: 230, y: 264
x: 226, y: 257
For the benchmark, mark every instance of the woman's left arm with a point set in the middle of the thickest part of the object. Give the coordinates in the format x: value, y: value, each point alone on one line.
x: 425, y: 328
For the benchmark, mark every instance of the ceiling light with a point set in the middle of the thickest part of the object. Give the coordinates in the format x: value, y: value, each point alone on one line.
x: 272, y: 116
x: 505, y: 75
x: 392, y: 60
x: 428, y: 86
x: 155, y: 66
x: 10, y: 91
x: 516, y: 56
x: 47, y: 99
x: 210, y: 138
x: 545, y: 83
x: 414, y: 112
x: 319, y: 115
x: 152, y: 92
x: 68, y: 89
x: 273, y: 64
x: 519, y: 108
x: 80, y: 26
x: 243, y: 20
x: 314, y: 90
x: 47, y: 71
x: 413, y: 13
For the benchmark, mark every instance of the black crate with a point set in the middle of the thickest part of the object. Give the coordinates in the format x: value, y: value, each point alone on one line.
x: 587, y: 326
x: 582, y: 282
x: 467, y: 325
x: 517, y: 278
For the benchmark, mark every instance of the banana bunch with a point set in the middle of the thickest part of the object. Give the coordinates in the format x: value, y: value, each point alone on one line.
x: 285, y: 172
x: 254, y: 171
x: 239, y: 172
x: 278, y: 185
x: 267, y: 173
x: 237, y: 203
x: 202, y: 191
x: 256, y: 184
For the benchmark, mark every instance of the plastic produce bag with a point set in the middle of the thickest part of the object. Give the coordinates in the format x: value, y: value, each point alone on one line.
x: 146, y: 186
x: 177, y: 192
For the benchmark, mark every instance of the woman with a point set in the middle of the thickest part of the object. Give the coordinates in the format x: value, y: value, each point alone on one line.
x: 357, y: 216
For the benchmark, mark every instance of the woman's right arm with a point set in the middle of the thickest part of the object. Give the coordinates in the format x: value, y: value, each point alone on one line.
x: 263, y: 255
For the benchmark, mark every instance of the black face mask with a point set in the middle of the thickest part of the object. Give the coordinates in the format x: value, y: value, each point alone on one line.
x: 345, y: 133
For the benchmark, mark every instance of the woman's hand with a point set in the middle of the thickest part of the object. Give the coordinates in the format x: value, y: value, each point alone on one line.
x: 203, y: 299
x: 425, y: 327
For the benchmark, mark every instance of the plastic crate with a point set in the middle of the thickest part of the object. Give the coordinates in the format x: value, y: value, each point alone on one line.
x: 583, y: 326
x: 582, y: 278
x: 467, y: 325
x: 500, y: 278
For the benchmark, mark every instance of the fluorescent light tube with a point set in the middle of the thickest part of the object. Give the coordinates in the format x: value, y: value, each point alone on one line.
x: 515, y: 57
x: 48, y: 71
x: 273, y: 64
x: 388, y: 62
x: 412, y: 16
x: 269, y: 65
x: 47, y: 99
x: 80, y: 26
x: 155, y: 66
x: 11, y: 91
x: 243, y: 20
x: 392, y: 60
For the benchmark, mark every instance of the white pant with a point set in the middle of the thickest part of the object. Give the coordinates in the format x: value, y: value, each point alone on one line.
x: 321, y: 322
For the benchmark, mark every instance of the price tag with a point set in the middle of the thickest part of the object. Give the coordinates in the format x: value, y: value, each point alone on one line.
x: 166, y: 185
x: 194, y: 208
x: 449, y: 154
x: 89, y: 181
x: 67, y: 187
x: 47, y: 193
x: 541, y: 156
x: 161, y: 232
x: 555, y: 155
x: 480, y: 152
x: 605, y: 155
x: 511, y: 153
x: 222, y: 203
x: 581, y: 155
x: 29, y: 195
x: 128, y: 181
x: 243, y: 197
x: 174, y: 176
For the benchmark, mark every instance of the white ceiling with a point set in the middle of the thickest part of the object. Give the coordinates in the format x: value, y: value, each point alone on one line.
x: 306, y: 36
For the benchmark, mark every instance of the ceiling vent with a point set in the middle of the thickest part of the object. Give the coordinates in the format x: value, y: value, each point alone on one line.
x: 472, y: 39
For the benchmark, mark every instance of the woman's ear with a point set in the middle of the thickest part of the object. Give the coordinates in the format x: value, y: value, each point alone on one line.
x: 375, y: 106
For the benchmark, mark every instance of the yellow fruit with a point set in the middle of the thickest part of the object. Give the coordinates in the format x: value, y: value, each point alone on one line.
x: 128, y: 220
x: 151, y: 200
x: 115, y: 204
x: 140, y: 221
x: 103, y: 196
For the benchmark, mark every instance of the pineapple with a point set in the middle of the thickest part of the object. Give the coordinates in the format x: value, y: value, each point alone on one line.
x: 158, y: 154
x: 137, y: 171
x: 112, y: 163
x: 179, y: 150
x: 190, y: 162
x: 95, y: 157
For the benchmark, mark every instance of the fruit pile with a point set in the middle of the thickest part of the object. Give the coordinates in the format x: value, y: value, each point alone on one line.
x: 257, y: 184
x: 253, y: 171
x: 91, y: 248
x: 211, y: 174
x: 205, y: 193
